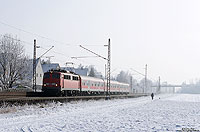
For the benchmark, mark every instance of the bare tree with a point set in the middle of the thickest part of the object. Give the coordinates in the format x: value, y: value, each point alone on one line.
x: 149, y: 84
x: 123, y: 77
x: 92, y: 74
x: 13, y: 61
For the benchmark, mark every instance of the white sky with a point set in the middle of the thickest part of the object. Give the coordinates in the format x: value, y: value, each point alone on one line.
x: 161, y: 33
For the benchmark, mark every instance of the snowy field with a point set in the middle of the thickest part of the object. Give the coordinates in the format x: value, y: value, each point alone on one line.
x: 169, y: 113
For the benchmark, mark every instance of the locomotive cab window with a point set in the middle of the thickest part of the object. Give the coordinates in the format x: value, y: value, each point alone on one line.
x: 55, y: 75
x: 46, y: 75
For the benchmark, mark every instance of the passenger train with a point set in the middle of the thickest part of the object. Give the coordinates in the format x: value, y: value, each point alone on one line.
x: 65, y: 83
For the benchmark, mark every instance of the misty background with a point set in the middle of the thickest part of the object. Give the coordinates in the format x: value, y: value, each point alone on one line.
x: 163, y: 34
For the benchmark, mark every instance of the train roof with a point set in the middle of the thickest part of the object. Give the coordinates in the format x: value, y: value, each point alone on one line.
x: 61, y: 71
x: 101, y: 80
x: 92, y: 78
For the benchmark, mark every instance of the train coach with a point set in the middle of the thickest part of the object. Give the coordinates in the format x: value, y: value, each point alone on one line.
x: 65, y: 83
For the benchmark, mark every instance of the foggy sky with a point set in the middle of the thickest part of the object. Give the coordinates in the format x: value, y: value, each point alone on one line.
x: 161, y: 33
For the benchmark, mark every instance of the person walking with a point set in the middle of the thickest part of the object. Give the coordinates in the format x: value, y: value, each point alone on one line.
x: 152, y: 95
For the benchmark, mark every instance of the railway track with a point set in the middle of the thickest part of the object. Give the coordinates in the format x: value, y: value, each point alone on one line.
x: 22, y: 98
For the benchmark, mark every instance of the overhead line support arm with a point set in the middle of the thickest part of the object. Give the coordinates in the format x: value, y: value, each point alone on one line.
x: 93, y: 52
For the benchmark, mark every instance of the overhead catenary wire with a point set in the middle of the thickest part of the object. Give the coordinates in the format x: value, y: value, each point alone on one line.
x: 142, y: 74
x: 31, y: 44
x: 93, y: 45
x: 137, y: 71
x: 25, y: 42
x: 74, y: 57
x: 44, y: 37
x: 50, y: 39
x: 93, y: 52
x: 34, y: 34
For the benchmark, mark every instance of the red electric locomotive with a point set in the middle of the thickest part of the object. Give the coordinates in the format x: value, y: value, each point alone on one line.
x: 65, y: 83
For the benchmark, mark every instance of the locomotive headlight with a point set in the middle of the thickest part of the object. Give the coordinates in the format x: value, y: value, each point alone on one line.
x: 56, y: 85
x: 45, y: 85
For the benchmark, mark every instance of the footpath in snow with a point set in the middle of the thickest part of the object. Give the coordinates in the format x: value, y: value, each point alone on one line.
x: 169, y: 113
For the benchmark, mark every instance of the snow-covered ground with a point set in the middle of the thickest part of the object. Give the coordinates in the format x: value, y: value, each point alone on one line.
x: 169, y: 113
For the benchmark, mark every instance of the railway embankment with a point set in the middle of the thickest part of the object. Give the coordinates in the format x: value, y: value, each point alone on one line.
x: 21, y: 98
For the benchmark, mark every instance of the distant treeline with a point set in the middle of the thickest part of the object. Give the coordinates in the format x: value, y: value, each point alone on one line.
x: 193, y: 88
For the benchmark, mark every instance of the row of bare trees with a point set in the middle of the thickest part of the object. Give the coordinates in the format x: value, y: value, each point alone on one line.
x: 138, y: 86
x: 13, y: 61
